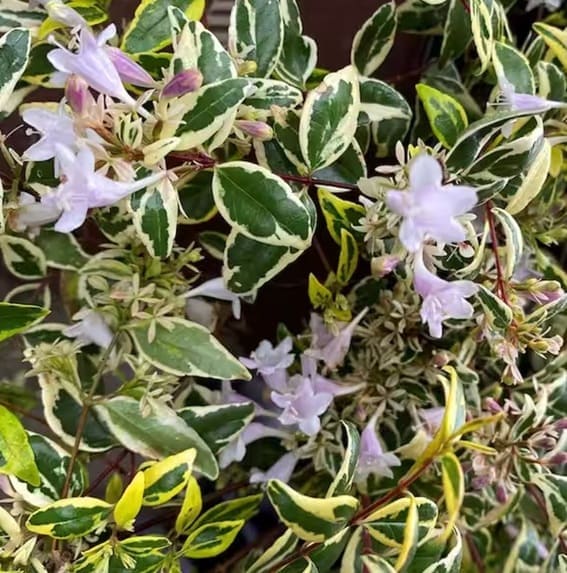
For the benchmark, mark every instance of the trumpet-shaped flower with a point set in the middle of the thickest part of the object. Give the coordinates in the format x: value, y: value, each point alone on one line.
x: 83, y: 188
x: 60, y: 12
x: 93, y: 63
x: 215, y: 288
x: 372, y: 458
x: 271, y: 362
x: 332, y: 349
x: 525, y: 102
x: 128, y: 70
x: 236, y: 450
x: 282, y: 470
x: 91, y: 329
x: 428, y: 208
x: 56, y: 129
x: 441, y: 299
x: 32, y: 214
x: 302, y: 405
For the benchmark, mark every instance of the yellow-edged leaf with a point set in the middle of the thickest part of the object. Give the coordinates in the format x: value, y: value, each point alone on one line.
x: 409, y: 544
x: 130, y: 503
x: 453, y: 488
x: 191, y: 507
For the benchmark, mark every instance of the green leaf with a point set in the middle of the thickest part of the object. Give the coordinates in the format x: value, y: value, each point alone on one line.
x: 155, y: 217
x: 533, y: 182
x: 196, y: 198
x: 199, y: 49
x: 282, y: 547
x: 446, y: 115
x: 451, y: 563
x: 482, y: 30
x: 416, y: 16
x: 375, y: 564
x: 16, y: 318
x: 52, y: 463
x: 256, y: 33
x: 512, y: 65
x: 211, y: 539
x: 411, y: 536
x: 14, y: 13
x: 61, y: 250
x: 14, y: 54
x: 198, y: 116
x: 457, y: 32
x: 348, y: 168
x: 329, y: 118
x: 339, y: 214
x: 310, y: 518
x: 514, y: 240
x: 214, y: 243
x: 348, y: 257
x: 150, y: 29
x: 218, y: 425
x: 16, y: 454
x: 22, y: 258
x: 387, y: 113
x: 69, y: 518
x: 185, y: 347
x: 298, y: 57
x: 554, y: 490
x: 269, y: 93
x: 165, y: 479
x: 62, y: 412
x: 260, y: 205
x: 159, y: 434
x: 373, y: 41
x: 300, y: 565
x: 387, y: 524
x: 497, y: 311
x: 326, y: 555
x: 555, y: 39
x: 249, y: 264
x: 242, y: 508
x: 342, y: 481
x: 352, y: 557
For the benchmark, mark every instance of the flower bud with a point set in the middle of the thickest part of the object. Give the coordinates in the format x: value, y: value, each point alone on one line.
x: 558, y: 459
x: 561, y: 425
x: 256, y: 129
x: 62, y: 13
x: 384, y: 265
x: 493, y: 406
x: 182, y: 83
x: 78, y: 95
x: 501, y: 493
x: 128, y: 70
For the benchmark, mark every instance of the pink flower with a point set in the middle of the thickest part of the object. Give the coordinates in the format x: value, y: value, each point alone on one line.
x: 93, y: 63
x: 441, y: 299
x: 182, y: 83
x: 329, y: 348
x: 215, y: 288
x: 429, y: 208
x: 281, y: 470
x: 372, y: 458
x: 128, y: 70
x: 524, y: 102
x: 83, y: 188
x: 302, y: 405
x: 272, y: 362
x: 91, y: 329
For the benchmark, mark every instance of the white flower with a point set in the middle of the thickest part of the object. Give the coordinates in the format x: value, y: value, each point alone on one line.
x: 332, y: 351
x: 32, y: 214
x: 55, y: 128
x: 91, y: 329
x: 83, y: 188
x: 525, y: 102
x: 282, y: 470
x: 428, y: 208
x: 215, y: 288
x: 372, y: 458
x: 272, y: 362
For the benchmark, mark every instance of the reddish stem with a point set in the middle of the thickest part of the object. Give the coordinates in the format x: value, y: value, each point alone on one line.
x: 315, y: 181
x: 500, y: 280
x: 106, y: 472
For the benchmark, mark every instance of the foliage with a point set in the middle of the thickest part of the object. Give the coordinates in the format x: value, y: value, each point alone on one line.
x: 418, y: 422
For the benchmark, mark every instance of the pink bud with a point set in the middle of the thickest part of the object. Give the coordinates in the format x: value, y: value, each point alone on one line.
x: 382, y: 266
x: 558, y: 459
x: 182, y: 83
x: 561, y: 424
x: 78, y: 95
x: 492, y: 405
x: 128, y: 70
x: 501, y: 493
x: 256, y: 129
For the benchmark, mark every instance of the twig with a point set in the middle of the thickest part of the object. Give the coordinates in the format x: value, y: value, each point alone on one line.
x: 500, y: 280
x: 107, y: 471
x: 475, y: 555
x: 84, y: 414
x: 316, y: 181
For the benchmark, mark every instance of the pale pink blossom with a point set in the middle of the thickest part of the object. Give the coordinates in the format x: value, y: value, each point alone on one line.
x: 216, y: 288
x: 90, y: 329
x: 281, y: 470
x: 428, y: 208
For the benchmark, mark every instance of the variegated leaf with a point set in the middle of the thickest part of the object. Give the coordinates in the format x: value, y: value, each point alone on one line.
x: 329, y: 118
x: 514, y: 240
x: 14, y: 53
x: 343, y: 480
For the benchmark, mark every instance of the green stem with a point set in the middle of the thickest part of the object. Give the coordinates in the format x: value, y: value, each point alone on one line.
x: 87, y: 402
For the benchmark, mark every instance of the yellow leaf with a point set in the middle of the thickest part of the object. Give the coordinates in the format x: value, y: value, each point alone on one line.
x: 411, y: 533
x: 191, y: 507
x: 129, y: 505
x: 453, y: 488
